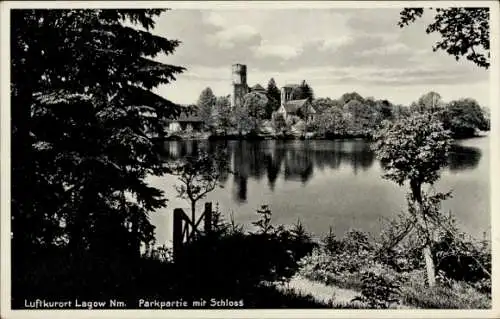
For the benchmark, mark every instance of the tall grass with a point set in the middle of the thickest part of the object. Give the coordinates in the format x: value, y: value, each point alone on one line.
x: 453, y: 295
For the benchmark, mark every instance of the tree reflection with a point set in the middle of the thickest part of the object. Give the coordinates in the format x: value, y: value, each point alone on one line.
x: 296, y: 161
x: 463, y: 158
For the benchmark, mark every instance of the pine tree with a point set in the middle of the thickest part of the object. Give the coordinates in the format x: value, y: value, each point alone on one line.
x: 206, y: 106
x: 303, y: 91
x: 273, y: 92
x: 273, y: 97
x: 307, y: 91
x: 80, y: 86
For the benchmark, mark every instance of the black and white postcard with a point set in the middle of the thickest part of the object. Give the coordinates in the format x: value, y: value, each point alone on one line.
x: 228, y: 159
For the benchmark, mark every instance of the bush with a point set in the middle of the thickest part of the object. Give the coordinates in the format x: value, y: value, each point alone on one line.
x: 234, y: 261
x: 339, y: 262
x: 379, y: 290
x: 462, y: 258
x: 349, y: 254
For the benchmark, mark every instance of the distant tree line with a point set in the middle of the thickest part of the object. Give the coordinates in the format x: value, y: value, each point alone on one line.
x: 349, y: 115
x: 352, y: 114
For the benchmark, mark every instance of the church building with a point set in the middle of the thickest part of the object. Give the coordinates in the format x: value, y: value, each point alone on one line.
x: 301, y: 108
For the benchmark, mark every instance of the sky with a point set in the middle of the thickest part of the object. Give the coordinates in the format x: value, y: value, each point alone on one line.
x: 334, y: 50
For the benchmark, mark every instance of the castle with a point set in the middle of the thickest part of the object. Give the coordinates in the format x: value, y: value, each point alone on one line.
x: 288, y: 107
x: 240, y: 87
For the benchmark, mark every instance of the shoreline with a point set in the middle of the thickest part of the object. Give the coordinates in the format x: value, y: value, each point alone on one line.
x: 234, y: 137
x: 256, y: 138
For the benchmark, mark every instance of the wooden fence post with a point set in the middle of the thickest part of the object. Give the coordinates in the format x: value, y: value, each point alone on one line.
x: 208, y: 217
x: 177, y: 234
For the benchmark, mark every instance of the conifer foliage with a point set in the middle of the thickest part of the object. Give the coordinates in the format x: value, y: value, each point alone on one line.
x: 82, y: 120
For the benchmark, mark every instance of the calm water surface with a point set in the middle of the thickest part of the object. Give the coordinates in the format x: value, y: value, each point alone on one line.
x: 327, y: 183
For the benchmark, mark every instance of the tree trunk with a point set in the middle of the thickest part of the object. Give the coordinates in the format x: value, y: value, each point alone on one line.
x: 426, y: 252
x: 429, y: 266
x: 193, y: 212
x: 193, y: 217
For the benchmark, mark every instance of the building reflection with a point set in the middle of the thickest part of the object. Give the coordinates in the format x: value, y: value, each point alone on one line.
x: 296, y: 161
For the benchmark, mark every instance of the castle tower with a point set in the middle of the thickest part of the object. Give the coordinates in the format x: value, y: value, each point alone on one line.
x: 286, y: 93
x: 240, y: 87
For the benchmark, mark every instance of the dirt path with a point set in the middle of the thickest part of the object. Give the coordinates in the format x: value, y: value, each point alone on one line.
x: 322, y: 292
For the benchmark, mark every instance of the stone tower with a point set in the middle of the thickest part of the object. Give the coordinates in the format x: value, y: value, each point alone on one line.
x: 240, y: 87
x: 286, y: 94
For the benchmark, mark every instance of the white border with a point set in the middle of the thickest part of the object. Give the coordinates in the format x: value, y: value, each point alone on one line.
x: 288, y: 313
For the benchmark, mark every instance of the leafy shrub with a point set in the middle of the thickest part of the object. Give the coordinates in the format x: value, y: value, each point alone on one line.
x: 379, y: 289
x: 399, y: 246
x: 349, y: 254
x: 483, y: 285
x: 337, y: 261
x: 221, y: 227
x: 462, y: 258
x: 263, y: 224
x: 235, y: 261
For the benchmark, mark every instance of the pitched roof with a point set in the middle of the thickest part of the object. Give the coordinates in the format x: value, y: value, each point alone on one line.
x: 294, y: 105
x: 310, y: 108
x: 257, y: 87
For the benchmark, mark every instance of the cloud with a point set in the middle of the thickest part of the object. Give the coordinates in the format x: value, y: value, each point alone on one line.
x: 333, y: 44
x: 233, y: 36
x: 373, y: 21
x: 214, y: 19
x: 391, y: 49
x: 227, y: 35
x: 283, y: 51
x: 395, y: 77
x: 358, y: 48
x: 204, y: 73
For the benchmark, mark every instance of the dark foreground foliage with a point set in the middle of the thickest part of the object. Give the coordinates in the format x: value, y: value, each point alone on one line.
x: 227, y: 264
x: 81, y: 85
x: 232, y: 265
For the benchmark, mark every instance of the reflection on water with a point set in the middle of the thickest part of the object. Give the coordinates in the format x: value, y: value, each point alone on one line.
x: 294, y: 160
x: 298, y: 161
x: 463, y: 158
x: 328, y: 183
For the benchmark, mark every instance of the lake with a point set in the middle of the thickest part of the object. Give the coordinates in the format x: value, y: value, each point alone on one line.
x: 327, y: 183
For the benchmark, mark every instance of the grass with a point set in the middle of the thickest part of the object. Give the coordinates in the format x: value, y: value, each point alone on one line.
x: 271, y: 296
x: 347, y: 281
x: 416, y: 294
x: 296, y: 298
x: 457, y: 296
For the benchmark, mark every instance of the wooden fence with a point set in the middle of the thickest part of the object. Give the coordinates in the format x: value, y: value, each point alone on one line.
x: 185, y: 229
